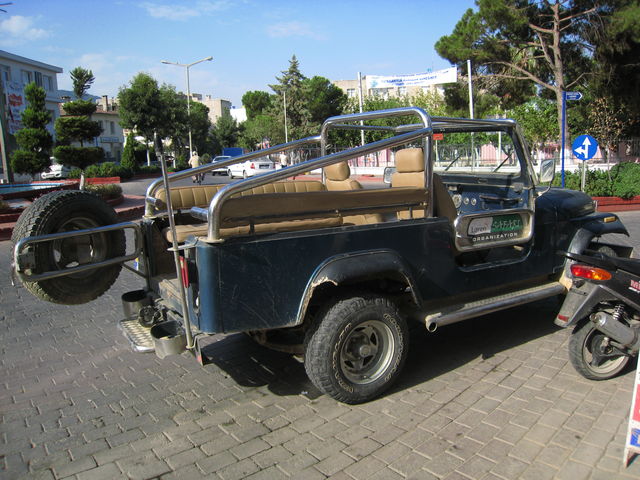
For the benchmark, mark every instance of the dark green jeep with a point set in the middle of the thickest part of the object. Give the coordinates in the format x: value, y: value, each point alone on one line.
x: 325, y: 268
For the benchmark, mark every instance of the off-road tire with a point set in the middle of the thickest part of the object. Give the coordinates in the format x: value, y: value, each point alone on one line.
x: 64, y: 211
x: 579, y: 348
x: 373, y: 321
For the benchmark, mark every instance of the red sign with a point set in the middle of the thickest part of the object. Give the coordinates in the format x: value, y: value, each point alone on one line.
x: 438, y: 136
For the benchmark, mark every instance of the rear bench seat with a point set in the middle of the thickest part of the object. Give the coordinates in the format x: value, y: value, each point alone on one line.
x: 287, y: 206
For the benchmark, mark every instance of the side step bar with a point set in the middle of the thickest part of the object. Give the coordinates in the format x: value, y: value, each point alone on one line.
x: 457, y: 313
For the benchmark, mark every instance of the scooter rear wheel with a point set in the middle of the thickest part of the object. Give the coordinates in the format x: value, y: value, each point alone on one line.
x: 586, y: 340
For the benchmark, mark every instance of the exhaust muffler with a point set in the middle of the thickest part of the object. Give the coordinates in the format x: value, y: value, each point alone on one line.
x: 624, y: 335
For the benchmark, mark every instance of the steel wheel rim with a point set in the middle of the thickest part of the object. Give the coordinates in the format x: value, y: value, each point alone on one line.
x: 84, y: 249
x: 607, y: 366
x: 367, y: 352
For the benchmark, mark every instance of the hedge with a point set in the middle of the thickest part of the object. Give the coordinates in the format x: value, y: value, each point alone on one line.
x: 623, y: 180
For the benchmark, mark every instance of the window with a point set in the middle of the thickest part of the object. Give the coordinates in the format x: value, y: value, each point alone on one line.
x: 47, y: 83
x: 38, y: 78
x: 27, y: 77
x: 380, y: 93
x: 5, y: 73
x: 112, y: 128
x: 351, y: 92
x: 402, y: 91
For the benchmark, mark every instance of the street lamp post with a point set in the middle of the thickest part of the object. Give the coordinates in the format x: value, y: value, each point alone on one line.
x: 187, y: 66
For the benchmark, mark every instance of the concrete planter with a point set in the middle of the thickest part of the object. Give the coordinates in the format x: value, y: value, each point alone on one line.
x: 617, y: 204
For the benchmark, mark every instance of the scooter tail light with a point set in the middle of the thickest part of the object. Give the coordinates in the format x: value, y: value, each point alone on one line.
x: 589, y: 272
x: 253, y: 166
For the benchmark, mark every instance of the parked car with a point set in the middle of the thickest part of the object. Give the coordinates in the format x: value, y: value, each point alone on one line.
x: 56, y: 170
x: 223, y: 170
x: 251, y: 168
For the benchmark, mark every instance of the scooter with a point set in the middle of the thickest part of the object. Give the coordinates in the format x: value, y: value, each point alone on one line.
x: 603, y: 307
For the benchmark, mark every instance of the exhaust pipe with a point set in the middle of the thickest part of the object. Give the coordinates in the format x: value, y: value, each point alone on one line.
x: 624, y: 335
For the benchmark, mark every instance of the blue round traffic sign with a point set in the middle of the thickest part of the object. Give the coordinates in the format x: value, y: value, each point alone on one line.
x: 584, y: 147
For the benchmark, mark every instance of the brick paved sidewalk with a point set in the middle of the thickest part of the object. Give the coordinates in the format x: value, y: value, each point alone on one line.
x: 492, y: 398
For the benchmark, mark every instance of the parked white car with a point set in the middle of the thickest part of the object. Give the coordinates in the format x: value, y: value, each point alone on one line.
x: 56, y: 170
x: 223, y: 170
x: 251, y: 168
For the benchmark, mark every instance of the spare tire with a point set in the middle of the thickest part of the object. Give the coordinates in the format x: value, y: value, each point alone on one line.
x: 66, y: 211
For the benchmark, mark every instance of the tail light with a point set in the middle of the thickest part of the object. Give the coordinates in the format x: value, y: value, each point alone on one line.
x: 253, y: 166
x: 184, y: 272
x: 589, y: 272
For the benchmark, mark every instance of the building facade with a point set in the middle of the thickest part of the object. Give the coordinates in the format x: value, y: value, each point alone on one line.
x: 112, y: 138
x: 217, y: 106
x: 15, y: 73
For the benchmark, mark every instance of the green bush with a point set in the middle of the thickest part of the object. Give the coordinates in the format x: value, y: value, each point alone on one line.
x: 108, y: 169
x: 92, y: 171
x: 107, y: 190
x: 626, y: 180
x: 150, y: 169
x: 181, y: 163
x: 622, y: 181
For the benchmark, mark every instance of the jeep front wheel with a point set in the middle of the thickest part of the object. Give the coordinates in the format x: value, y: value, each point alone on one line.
x: 356, y: 348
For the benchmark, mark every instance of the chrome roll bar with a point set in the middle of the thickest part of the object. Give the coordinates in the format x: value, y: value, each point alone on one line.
x: 158, y: 184
x: 212, y: 214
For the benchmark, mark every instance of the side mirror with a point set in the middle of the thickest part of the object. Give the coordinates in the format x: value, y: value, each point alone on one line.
x: 547, y: 171
x: 388, y: 172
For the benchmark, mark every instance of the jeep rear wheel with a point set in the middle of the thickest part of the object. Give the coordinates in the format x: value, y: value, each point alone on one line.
x: 65, y: 211
x: 356, y: 348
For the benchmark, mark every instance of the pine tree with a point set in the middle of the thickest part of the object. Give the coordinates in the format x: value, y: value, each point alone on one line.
x: 34, y: 140
x: 77, y: 126
x: 291, y: 82
x: 128, y: 155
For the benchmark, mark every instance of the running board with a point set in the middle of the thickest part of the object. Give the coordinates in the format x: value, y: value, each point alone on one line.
x: 139, y: 337
x: 464, y: 311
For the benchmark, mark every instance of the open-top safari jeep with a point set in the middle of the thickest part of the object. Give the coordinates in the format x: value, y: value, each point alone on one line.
x: 325, y: 268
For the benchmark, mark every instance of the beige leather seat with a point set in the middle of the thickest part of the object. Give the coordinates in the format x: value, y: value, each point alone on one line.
x: 410, y: 173
x: 337, y: 178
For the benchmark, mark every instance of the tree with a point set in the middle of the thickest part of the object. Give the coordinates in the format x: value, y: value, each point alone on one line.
x: 34, y: 140
x: 82, y: 80
x: 128, y: 156
x: 76, y: 126
x: 532, y: 40
x: 538, y: 121
x: 256, y: 129
x: 291, y: 85
x: 141, y: 107
x: 617, y: 49
x: 256, y: 103
x: 608, y: 123
x: 225, y: 131
x: 322, y: 100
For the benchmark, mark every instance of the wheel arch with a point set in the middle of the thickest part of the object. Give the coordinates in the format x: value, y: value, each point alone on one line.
x: 356, y: 269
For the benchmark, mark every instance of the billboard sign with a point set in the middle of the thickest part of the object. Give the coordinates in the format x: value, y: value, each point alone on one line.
x: 448, y: 75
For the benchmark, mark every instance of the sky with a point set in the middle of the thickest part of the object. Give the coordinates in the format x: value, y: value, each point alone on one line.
x: 251, y: 41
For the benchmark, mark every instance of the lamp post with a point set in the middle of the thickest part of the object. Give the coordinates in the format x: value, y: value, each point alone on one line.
x: 187, y: 66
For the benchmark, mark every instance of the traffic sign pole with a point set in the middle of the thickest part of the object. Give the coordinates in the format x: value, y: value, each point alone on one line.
x: 564, y: 123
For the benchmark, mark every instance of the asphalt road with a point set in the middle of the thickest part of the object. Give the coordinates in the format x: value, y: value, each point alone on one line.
x: 493, y: 398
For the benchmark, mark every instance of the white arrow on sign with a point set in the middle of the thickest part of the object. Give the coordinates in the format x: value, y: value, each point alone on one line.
x: 584, y: 149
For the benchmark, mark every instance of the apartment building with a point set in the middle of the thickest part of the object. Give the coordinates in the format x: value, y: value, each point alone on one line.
x: 217, y: 106
x: 112, y: 138
x: 15, y: 73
